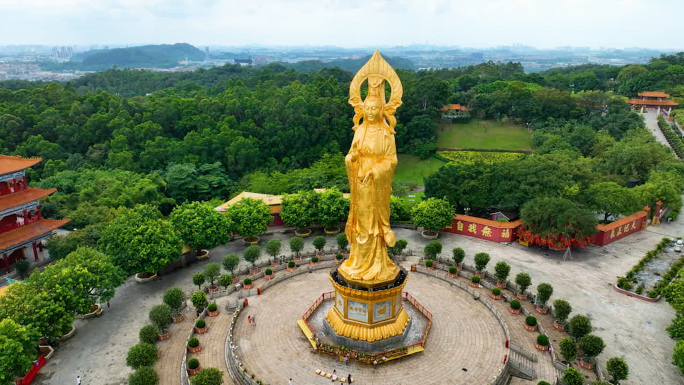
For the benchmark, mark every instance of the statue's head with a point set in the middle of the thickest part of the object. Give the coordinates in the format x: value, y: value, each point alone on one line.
x: 372, y: 109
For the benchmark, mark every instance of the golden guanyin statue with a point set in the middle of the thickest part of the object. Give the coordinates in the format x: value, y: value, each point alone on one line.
x: 370, y: 167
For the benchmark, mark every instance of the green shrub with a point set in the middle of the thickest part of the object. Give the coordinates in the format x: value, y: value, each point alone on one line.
x: 160, y: 315
x: 515, y: 304
x: 429, y: 263
x: 433, y: 249
x: 339, y: 257
x: 252, y: 254
x: 496, y: 291
x: 481, y: 261
x: 568, y: 349
x: 458, y: 255
x: 618, y: 368
x: 208, y: 376
x: 542, y: 340
x: 141, y: 354
x: 592, y: 345
x: 199, y: 300
x: 268, y: 272
x: 200, y: 323
x: 230, y: 262
x: 342, y: 241
x: 573, y: 377
x: 453, y: 270
x: 544, y: 292
x: 22, y: 267
x: 543, y: 383
x: 640, y: 289
x: 193, y: 342
x: 198, y: 279
x: 562, y: 310
x: 523, y: 281
x: 531, y: 320
x: 579, y: 326
x: 193, y: 363
x: 623, y: 283
x: 475, y: 279
x: 502, y: 269
x: 247, y: 281
x: 149, y: 334
x: 314, y: 259
x: 145, y: 375
x: 652, y: 294
x: 225, y: 280
x: 319, y: 243
x: 212, y: 307
x: 174, y: 297
x: 291, y: 264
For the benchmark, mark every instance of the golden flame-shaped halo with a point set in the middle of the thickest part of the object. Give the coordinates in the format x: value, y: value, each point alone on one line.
x: 377, y: 70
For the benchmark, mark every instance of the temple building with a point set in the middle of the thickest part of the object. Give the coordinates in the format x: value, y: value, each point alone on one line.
x: 22, y: 227
x: 451, y: 111
x: 653, y: 100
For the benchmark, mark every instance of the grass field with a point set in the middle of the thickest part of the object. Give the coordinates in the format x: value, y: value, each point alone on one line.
x: 412, y: 169
x: 484, y: 134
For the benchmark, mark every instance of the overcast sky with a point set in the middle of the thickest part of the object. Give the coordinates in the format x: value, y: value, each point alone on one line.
x: 346, y: 23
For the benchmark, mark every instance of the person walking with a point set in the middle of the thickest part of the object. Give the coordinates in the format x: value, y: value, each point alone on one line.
x: 349, y: 380
x: 290, y: 382
x: 253, y: 320
x: 78, y: 380
x: 346, y: 361
x: 249, y: 319
x: 334, y: 375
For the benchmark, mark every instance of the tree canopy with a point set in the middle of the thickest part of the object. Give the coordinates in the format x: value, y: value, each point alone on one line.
x: 250, y: 217
x: 200, y: 226
x: 557, y: 222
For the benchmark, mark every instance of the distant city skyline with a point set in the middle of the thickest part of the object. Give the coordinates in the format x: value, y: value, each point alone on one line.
x: 345, y: 23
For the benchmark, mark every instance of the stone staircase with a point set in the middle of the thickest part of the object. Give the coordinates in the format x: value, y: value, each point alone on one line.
x: 522, y: 363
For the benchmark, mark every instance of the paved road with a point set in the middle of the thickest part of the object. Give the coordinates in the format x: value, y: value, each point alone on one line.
x: 651, y: 119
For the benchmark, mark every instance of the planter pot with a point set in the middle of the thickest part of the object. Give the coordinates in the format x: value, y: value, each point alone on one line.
x: 427, y: 234
x: 481, y: 275
x: 541, y: 347
x: 514, y: 311
x: 192, y: 372
x: 201, y: 330
x: 69, y: 334
x: 501, y: 285
x: 530, y: 328
x: 213, y: 290
x: 178, y: 319
x: 413, y: 268
x: 430, y: 268
x: 247, y: 287
x: 313, y: 263
x: 303, y: 233
x: 521, y: 297
x: 251, y: 240
x: 144, y: 277
x: 291, y: 269
x: 474, y: 284
x: 196, y: 349
x: 204, y: 254
x: 558, y: 326
x: 586, y: 365
x: 253, y: 271
x: 213, y: 313
x: 46, y: 350
x: 495, y: 297
x: 95, y: 311
x: 164, y: 336
x: 332, y: 230
x: 452, y: 275
x: 269, y: 277
x: 541, y: 310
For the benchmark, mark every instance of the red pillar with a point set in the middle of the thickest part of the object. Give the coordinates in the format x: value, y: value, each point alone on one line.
x: 35, y: 250
x: 39, y: 214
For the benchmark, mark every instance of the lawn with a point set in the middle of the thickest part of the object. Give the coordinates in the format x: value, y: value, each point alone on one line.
x: 412, y: 169
x: 484, y: 134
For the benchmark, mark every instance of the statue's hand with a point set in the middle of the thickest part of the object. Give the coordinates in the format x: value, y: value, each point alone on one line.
x: 365, y: 177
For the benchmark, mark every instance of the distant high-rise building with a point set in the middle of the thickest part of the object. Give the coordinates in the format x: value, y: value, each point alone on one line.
x: 206, y: 53
x: 62, y: 54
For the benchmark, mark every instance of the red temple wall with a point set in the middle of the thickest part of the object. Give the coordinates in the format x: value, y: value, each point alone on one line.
x: 619, y: 229
x: 484, y: 229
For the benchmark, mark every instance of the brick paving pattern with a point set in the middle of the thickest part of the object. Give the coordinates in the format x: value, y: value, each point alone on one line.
x: 168, y: 366
x: 213, y: 344
x: 465, y: 335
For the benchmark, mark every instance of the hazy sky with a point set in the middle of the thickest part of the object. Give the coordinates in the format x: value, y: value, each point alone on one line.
x: 347, y: 23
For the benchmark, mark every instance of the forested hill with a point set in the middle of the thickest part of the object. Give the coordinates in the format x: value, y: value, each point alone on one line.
x: 351, y: 65
x: 158, y: 56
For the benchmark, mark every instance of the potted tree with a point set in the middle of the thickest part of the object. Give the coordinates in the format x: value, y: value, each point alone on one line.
x: 342, y: 242
x: 211, y: 272
x: 429, y: 264
x: 617, y: 367
x: 475, y: 281
x: 339, y: 258
x: 523, y: 281
x: 591, y: 346
x: 579, y: 326
x: 530, y: 323
x: 542, y: 342
x: 502, y: 269
x: 573, y: 377
x: 193, y: 366
x: 273, y: 249
x: 144, y: 375
x: 230, y: 262
x: 453, y: 272
x: 481, y: 261
x: 199, y: 300
x: 544, y: 292
x: 212, y: 310
x: 433, y: 215
x: 568, y: 349
x: 252, y: 253
x: 514, y: 307
x: 225, y: 280
x: 201, y: 227
x: 198, y: 279
x: 194, y: 345
x: 562, y: 309
x: 247, y: 283
x: 458, y: 256
x: 160, y: 316
x: 149, y: 334
x: 268, y: 274
x: 332, y: 208
x: 296, y: 245
x: 141, y: 354
x: 291, y: 266
x: 251, y: 218
x: 432, y: 250
x: 496, y: 293
x: 300, y: 210
x: 398, y: 247
x: 319, y: 244
x: 201, y: 326
x: 175, y: 298
x: 212, y: 376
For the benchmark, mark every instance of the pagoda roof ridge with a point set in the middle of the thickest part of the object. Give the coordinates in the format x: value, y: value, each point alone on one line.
x: 30, y: 232
x: 24, y: 196
x: 14, y: 163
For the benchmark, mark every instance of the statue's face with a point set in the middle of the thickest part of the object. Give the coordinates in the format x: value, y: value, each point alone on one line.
x: 372, y: 110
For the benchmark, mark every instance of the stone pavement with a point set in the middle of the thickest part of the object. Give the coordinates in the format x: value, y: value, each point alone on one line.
x: 168, y: 366
x: 213, y: 343
x: 465, y: 345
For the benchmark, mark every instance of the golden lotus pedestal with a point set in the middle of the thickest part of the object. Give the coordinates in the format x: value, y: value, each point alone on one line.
x: 368, y: 318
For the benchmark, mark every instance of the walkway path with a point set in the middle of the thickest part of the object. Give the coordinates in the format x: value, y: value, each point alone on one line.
x: 214, y: 342
x: 651, y: 120
x: 168, y: 366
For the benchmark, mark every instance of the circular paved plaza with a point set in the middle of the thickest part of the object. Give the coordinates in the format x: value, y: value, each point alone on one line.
x: 465, y: 345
